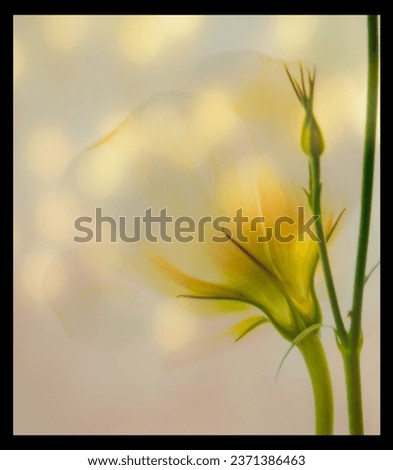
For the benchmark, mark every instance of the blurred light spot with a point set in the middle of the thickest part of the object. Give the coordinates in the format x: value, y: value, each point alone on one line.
x: 48, y: 152
x: 340, y: 107
x: 294, y: 32
x: 65, y: 32
x: 19, y: 61
x: 55, y: 215
x: 56, y: 282
x: 103, y: 168
x: 181, y: 25
x: 33, y: 271
x: 214, y: 115
x: 141, y: 38
x: 174, y: 327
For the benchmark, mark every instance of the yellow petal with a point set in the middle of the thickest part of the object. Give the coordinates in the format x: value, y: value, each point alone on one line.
x: 244, y: 327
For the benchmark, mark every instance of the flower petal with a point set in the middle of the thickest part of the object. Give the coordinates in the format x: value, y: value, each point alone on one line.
x: 244, y: 327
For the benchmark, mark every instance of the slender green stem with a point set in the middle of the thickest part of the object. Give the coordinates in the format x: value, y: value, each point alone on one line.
x: 315, y: 358
x: 354, y: 391
x: 368, y: 177
x: 351, y: 354
x: 315, y: 202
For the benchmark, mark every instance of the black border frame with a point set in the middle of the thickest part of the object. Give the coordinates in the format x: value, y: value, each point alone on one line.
x: 163, y: 442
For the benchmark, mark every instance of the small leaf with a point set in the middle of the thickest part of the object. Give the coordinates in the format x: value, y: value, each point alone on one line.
x: 300, y: 338
x: 296, y: 341
x: 307, y: 194
x: 371, y: 271
x: 244, y: 327
x: 334, y: 226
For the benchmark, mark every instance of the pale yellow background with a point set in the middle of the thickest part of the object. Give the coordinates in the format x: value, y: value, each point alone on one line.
x: 77, y: 77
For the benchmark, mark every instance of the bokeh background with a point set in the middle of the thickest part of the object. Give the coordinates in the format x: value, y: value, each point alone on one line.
x: 77, y: 77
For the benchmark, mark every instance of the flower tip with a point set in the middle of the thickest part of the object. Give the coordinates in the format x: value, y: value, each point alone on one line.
x: 312, y: 141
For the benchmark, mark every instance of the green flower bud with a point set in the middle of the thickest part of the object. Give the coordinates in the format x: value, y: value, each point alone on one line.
x: 312, y: 141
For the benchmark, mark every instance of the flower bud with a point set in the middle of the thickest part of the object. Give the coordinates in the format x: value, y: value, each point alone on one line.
x: 312, y: 141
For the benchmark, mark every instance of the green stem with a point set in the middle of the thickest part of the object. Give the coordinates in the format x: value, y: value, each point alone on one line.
x: 368, y: 177
x: 351, y: 354
x: 354, y: 391
x: 315, y: 358
x: 315, y: 202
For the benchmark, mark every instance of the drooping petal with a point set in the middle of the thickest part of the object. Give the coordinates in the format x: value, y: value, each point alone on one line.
x: 244, y: 327
x: 95, y: 304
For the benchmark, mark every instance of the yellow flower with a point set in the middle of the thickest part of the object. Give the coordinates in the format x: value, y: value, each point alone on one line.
x: 211, y: 153
x: 275, y: 276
